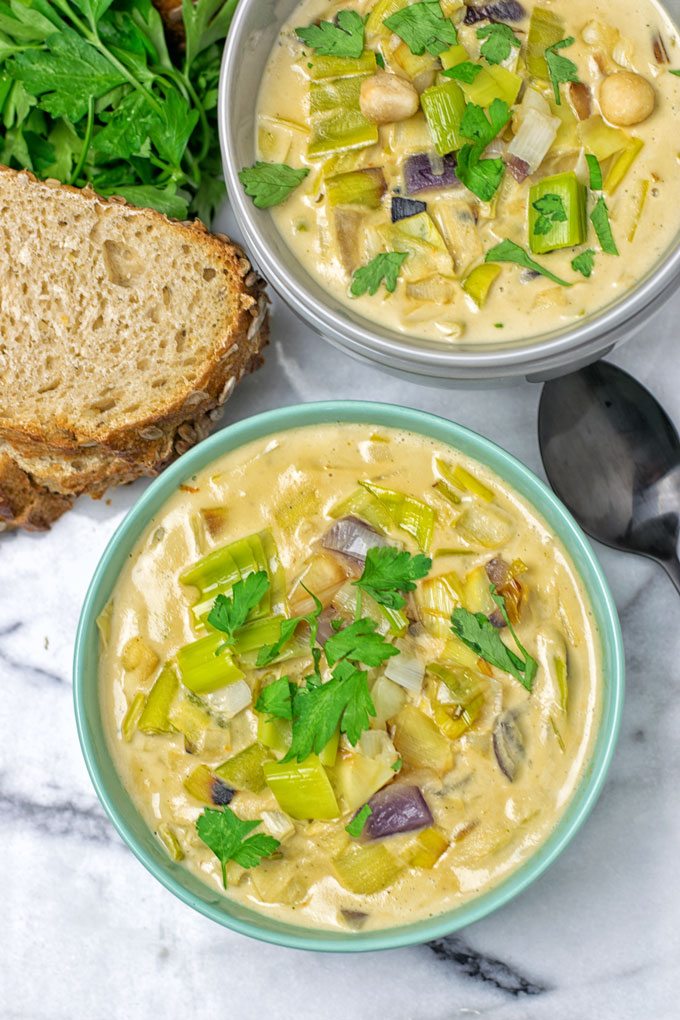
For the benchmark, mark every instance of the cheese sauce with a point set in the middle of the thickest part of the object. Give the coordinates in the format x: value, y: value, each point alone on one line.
x: 332, y: 241
x: 485, y: 823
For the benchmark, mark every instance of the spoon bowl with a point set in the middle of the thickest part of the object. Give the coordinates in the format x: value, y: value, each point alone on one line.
x: 612, y: 454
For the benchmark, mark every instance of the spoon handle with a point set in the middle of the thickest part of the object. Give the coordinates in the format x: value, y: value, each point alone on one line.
x: 672, y: 568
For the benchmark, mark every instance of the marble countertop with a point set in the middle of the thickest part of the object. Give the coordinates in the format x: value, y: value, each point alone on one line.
x: 88, y: 933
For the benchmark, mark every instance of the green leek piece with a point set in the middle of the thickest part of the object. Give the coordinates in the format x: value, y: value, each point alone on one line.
x: 362, y: 504
x: 356, y: 778
x: 463, y: 479
x: 217, y: 568
x: 478, y: 283
x: 302, y: 789
x: 419, y: 237
x: 277, y: 575
x: 219, y: 571
x: 339, y: 67
x: 494, y: 82
x: 639, y: 207
x: 485, y: 525
x: 388, y: 699
x: 476, y: 597
x: 444, y: 106
x: 456, y: 55
x: 545, y: 29
x: 203, y: 669
x: 156, y: 715
x: 257, y: 633
x: 245, y: 771
x: 412, y: 64
x: 562, y: 677
x: 466, y: 690
x: 204, y: 785
x: 336, y: 118
x: 408, y: 513
x: 368, y: 869
x: 329, y: 753
x: 622, y: 165
x: 562, y: 232
x: 130, y: 722
x: 274, y: 733
x: 426, y: 849
x: 360, y: 187
x: 379, y: 12
x: 169, y: 840
x: 458, y: 653
x: 437, y: 597
x: 419, y: 741
x: 601, y: 139
x: 191, y: 720
x: 388, y: 621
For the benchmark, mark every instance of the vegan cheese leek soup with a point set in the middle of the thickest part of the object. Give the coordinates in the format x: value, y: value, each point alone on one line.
x: 349, y: 677
x: 478, y: 172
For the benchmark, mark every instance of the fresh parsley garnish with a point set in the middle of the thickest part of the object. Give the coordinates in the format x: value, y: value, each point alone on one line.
x: 229, y: 612
x: 551, y: 210
x: 675, y: 71
x: 356, y: 826
x: 389, y: 572
x: 584, y: 262
x: 594, y: 172
x: 482, y: 129
x: 477, y: 632
x: 268, y: 653
x: 380, y: 60
x: 508, y: 251
x: 345, y: 38
x: 383, y: 268
x: 227, y: 836
x: 396, y: 765
x: 360, y: 643
x: 560, y: 68
x: 276, y: 700
x: 270, y: 184
x: 500, y: 40
x: 599, y: 217
x: 465, y: 71
x: 422, y: 26
x: 319, y: 708
x: 481, y: 176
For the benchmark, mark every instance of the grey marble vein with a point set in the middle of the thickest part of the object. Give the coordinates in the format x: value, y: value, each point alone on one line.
x: 480, y: 967
x: 57, y: 817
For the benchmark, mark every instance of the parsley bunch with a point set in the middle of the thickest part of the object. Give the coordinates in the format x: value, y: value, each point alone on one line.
x: 90, y: 94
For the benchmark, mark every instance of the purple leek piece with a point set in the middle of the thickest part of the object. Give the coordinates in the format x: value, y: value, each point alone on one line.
x: 424, y: 171
x: 501, y: 10
x: 352, y: 537
x: 397, y: 808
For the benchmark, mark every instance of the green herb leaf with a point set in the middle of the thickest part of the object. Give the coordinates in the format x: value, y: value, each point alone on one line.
x: 551, y: 209
x: 599, y: 217
x: 359, y: 642
x: 319, y: 708
x: 560, y: 68
x: 227, y: 836
x: 388, y: 572
x: 465, y: 71
x: 477, y: 632
x: 500, y: 41
x: 383, y: 268
x: 675, y: 71
x: 276, y: 699
x: 594, y: 172
x: 584, y: 262
x: 480, y: 129
x: 356, y: 826
x: 396, y: 765
x: 380, y: 60
x: 480, y: 176
x: 268, y: 653
x: 344, y: 39
x: 422, y: 26
x: 508, y: 251
x: 531, y: 666
x: 205, y: 23
x: 270, y: 184
x: 359, y: 708
x: 229, y: 612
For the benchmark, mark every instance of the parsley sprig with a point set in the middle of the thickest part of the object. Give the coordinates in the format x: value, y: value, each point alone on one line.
x: 422, y: 26
x: 560, y: 68
x: 345, y: 38
x: 499, y: 41
x: 270, y: 184
x: 481, y: 176
x: 477, y: 632
x: 508, y: 251
x: 550, y: 208
x: 390, y: 573
x: 384, y: 268
x: 228, y: 837
x: 229, y: 612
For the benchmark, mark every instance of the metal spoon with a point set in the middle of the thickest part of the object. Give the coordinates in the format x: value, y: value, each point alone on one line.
x: 612, y: 454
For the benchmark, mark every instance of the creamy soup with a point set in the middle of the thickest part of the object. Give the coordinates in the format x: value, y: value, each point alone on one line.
x: 371, y: 649
x: 477, y: 173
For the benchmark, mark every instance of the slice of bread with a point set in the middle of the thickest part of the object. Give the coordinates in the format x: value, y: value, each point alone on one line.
x: 121, y: 335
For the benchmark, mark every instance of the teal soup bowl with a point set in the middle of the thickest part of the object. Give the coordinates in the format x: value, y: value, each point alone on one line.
x: 120, y: 806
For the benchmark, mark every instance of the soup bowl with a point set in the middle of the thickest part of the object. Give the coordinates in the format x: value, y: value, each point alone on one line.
x: 255, y: 28
x: 91, y: 730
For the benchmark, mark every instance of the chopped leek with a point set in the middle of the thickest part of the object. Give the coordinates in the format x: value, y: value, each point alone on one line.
x: 302, y: 789
x: 413, y: 65
x: 426, y: 849
x: 444, y: 106
x: 437, y: 597
x: 156, y: 715
x: 245, y: 771
x: 205, y: 786
x: 329, y: 753
x: 388, y: 700
x: 274, y: 733
x: 458, y: 653
x: 337, y: 121
x: 358, y: 187
x: 339, y: 67
x: 356, y: 778
x: 489, y: 526
x: 419, y: 237
x: 557, y: 213
x: 453, y: 720
x: 600, y: 138
x: 364, y: 870
x: 545, y: 29
x: 379, y: 12
x: 622, y: 165
x: 256, y: 634
x: 464, y: 479
x: 456, y: 55
x: 130, y: 722
x: 203, y: 669
x: 406, y: 512
x: 639, y: 206
x: 169, y: 840
x: 191, y: 720
x: 365, y: 506
x: 490, y: 83
x: 478, y: 283
x: 419, y: 741
x: 475, y: 595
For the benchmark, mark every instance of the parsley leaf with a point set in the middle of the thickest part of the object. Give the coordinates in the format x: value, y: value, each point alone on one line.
x: 594, y: 172
x: 359, y: 708
x: 422, y: 26
x: 270, y: 184
x: 225, y: 834
x: 551, y: 209
x: 388, y: 572
x: 268, y: 653
x: 500, y: 41
x: 584, y: 262
x: 676, y: 72
x: 384, y: 267
x: 465, y: 71
x: 475, y: 125
x: 560, y: 68
x: 356, y: 826
x: 319, y: 708
x: 396, y: 765
x: 359, y: 642
x: 508, y: 251
x: 599, y: 217
x: 480, y: 176
x: 276, y: 700
x: 229, y: 612
x: 344, y: 39
x: 477, y: 632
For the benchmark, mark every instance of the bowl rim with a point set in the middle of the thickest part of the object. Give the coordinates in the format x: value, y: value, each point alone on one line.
x: 545, y: 504
x: 557, y: 348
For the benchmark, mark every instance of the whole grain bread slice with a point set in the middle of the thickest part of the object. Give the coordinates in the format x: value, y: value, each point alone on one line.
x: 121, y: 335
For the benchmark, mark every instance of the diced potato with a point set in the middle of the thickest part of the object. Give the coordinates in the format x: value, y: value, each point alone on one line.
x: 356, y: 778
x: 388, y: 698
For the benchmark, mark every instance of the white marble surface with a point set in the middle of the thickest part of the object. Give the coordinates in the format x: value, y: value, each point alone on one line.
x: 87, y: 933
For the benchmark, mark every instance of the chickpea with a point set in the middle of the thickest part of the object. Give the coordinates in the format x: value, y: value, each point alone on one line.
x: 386, y: 98
x: 626, y: 98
